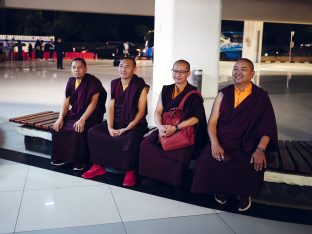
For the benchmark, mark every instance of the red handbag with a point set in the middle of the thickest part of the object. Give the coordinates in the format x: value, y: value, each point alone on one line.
x: 184, y: 137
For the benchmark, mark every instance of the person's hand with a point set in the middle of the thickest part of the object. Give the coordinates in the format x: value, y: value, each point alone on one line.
x: 259, y: 160
x: 113, y: 132
x: 167, y: 130
x: 170, y: 130
x: 79, y: 125
x: 162, y: 130
x: 58, y: 125
x: 121, y: 131
x: 217, y: 151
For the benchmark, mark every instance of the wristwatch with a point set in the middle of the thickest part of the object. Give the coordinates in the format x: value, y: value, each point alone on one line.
x: 177, y: 128
x: 261, y: 149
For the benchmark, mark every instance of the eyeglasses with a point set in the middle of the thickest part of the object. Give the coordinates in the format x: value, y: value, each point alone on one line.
x: 179, y: 72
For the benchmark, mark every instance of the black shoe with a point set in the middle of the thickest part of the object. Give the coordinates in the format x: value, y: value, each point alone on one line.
x: 244, y: 203
x: 220, y: 198
x: 78, y: 167
x: 57, y: 163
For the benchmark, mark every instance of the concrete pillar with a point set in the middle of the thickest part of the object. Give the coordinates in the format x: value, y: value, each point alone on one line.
x: 252, y: 42
x: 187, y: 30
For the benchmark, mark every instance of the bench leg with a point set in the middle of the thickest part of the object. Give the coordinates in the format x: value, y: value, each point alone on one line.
x: 38, y: 145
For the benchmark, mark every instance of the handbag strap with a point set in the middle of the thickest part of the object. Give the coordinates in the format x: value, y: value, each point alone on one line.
x: 186, y: 96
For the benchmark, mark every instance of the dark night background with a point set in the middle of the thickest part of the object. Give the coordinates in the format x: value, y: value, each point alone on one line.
x: 76, y: 27
x: 87, y: 28
x: 275, y: 33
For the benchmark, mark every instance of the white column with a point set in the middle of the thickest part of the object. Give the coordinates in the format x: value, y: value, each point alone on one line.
x: 252, y: 43
x: 187, y: 30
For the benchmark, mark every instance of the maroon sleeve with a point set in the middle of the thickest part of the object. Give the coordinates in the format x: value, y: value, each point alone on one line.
x: 70, y: 87
x: 113, y: 88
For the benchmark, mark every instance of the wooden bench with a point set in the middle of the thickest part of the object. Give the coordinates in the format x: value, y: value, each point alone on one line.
x: 36, y: 129
x: 293, y: 157
x: 292, y: 164
x: 287, y: 180
x: 42, y: 120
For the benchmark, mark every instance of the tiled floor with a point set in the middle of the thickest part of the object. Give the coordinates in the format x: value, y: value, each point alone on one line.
x: 35, y: 199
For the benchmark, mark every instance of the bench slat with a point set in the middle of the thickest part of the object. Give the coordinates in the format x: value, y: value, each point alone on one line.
x: 40, y: 119
x: 27, y: 120
x: 286, y: 160
x: 303, y: 167
x: 309, y: 143
x: 273, y: 160
x: 45, y: 123
x: 48, y: 126
x: 306, y: 146
x: 17, y: 119
x: 304, y: 152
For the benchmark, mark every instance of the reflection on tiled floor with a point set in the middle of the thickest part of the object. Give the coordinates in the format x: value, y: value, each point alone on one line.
x: 36, y: 199
x: 76, y: 205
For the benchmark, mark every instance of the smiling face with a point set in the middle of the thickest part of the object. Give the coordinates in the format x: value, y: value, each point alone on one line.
x: 78, y: 69
x: 242, y: 73
x: 126, y: 69
x: 180, y: 73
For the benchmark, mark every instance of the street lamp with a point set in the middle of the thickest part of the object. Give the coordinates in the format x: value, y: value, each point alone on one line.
x: 291, y: 44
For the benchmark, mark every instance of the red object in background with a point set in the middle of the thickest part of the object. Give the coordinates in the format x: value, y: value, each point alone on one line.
x: 68, y: 55
x: 84, y: 55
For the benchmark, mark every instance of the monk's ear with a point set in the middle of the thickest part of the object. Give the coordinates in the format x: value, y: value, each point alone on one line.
x: 252, y: 74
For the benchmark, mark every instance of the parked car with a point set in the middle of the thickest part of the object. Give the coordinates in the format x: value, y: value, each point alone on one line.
x: 115, y: 50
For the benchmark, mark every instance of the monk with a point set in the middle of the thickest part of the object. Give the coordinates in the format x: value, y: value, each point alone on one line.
x: 83, y: 107
x: 170, y: 166
x: 115, y: 143
x: 242, y: 127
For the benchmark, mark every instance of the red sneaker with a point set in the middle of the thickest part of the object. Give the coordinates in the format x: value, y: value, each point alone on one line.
x: 94, y: 171
x: 129, y: 179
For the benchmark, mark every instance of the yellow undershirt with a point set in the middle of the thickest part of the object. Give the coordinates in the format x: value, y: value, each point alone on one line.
x: 177, y: 91
x: 124, y: 86
x: 240, y: 96
x: 77, y: 83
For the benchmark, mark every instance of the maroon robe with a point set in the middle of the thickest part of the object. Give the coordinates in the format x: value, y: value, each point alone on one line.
x: 239, y: 132
x: 170, y: 166
x: 120, y: 152
x: 69, y: 145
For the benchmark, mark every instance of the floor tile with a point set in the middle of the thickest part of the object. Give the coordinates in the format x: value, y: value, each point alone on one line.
x: 135, y: 206
x: 7, y: 162
x: 42, y: 179
x: 67, y: 207
x: 242, y: 224
x: 202, y: 224
x: 9, y: 206
x: 112, y: 228
x: 12, y: 177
